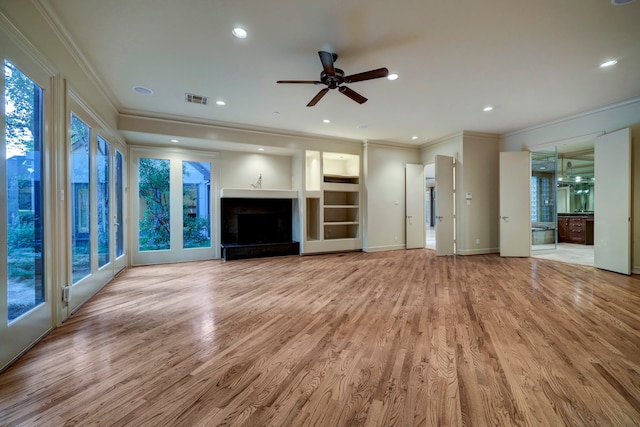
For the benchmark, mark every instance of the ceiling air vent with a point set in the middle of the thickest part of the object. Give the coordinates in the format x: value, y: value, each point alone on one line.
x: 196, y: 99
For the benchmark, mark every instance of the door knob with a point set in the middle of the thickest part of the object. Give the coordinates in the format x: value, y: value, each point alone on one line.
x: 504, y: 217
x: 440, y: 218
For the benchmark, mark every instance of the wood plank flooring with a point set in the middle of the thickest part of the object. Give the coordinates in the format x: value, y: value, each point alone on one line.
x: 396, y: 338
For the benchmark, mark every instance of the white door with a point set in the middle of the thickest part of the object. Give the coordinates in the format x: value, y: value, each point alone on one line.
x: 172, y: 208
x: 515, y: 204
x: 27, y: 235
x: 414, y: 206
x: 445, y: 209
x: 119, y: 208
x: 612, y: 202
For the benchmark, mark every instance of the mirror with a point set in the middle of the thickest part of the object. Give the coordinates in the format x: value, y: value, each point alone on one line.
x: 575, y: 182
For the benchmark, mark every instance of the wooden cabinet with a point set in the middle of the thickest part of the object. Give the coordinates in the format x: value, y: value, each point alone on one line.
x: 575, y: 230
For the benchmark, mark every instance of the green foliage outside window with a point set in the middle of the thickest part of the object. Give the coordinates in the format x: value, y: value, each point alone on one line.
x: 154, y: 180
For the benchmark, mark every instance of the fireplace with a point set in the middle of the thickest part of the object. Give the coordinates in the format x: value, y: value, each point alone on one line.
x: 258, y: 228
x: 254, y: 228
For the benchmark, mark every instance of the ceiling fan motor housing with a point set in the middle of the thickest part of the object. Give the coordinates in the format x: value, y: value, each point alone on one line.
x: 332, y: 80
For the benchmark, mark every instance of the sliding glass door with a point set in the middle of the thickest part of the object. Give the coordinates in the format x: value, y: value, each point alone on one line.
x: 172, y: 213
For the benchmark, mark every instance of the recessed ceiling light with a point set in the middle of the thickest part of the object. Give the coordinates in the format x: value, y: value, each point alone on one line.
x: 239, y: 33
x: 363, y: 126
x: 414, y: 137
x: 221, y: 103
x: 326, y: 121
x: 174, y: 140
x: 609, y: 63
x: 260, y: 149
x: 392, y: 76
x: 142, y: 90
x: 487, y: 108
x: 276, y: 113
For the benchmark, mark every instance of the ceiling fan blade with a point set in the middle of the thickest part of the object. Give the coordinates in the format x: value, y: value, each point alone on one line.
x: 352, y: 94
x: 318, y: 97
x: 367, y: 75
x: 304, y: 82
x: 327, y: 62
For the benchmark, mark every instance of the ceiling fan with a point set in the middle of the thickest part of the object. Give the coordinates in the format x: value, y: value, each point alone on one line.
x: 334, y: 78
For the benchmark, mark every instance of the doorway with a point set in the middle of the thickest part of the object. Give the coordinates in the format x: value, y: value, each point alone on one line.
x: 573, y: 175
x: 172, y: 212
x: 430, y: 205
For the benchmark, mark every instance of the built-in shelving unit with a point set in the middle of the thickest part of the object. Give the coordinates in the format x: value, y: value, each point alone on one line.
x: 332, y: 202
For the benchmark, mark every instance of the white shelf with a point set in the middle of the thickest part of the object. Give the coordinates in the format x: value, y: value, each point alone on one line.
x: 249, y: 193
x: 333, y: 213
x: 341, y: 223
x: 332, y: 186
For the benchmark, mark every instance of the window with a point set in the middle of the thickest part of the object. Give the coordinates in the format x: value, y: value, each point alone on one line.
x: 153, y: 189
x: 119, y: 203
x: 196, y: 178
x: 80, y: 199
x: 534, y: 198
x: 103, y: 202
x: 23, y: 203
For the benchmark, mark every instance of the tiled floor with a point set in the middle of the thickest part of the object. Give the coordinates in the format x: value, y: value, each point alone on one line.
x: 570, y: 253
x: 431, y: 238
x: 565, y: 252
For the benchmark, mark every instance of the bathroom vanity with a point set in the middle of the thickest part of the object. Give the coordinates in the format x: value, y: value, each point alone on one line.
x: 575, y: 228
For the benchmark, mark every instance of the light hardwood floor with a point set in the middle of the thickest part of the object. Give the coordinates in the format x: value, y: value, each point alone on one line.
x: 395, y: 338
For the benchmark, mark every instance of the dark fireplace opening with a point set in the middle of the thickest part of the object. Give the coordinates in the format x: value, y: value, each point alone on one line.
x: 256, y: 221
x: 254, y: 228
x: 258, y: 228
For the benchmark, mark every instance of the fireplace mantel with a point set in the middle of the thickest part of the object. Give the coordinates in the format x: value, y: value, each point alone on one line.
x: 250, y: 193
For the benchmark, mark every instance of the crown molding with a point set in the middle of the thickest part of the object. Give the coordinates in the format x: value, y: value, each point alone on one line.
x: 388, y: 144
x: 440, y: 141
x: 113, y: 133
x: 624, y: 103
x: 138, y: 115
x: 492, y: 137
x: 49, y: 14
x: 25, y: 45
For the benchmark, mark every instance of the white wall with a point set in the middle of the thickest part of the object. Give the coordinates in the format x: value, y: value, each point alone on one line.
x: 240, y: 170
x: 385, y: 195
x: 480, y: 177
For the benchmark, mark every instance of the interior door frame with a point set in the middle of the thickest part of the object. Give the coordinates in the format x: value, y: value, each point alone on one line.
x: 414, y: 206
x: 445, y: 221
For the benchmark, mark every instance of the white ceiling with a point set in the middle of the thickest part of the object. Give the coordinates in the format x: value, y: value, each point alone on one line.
x: 534, y: 61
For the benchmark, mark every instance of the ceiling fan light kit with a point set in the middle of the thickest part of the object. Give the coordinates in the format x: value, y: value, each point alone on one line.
x: 334, y: 78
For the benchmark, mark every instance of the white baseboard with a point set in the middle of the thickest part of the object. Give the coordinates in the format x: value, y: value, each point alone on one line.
x: 383, y: 248
x: 482, y: 251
